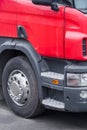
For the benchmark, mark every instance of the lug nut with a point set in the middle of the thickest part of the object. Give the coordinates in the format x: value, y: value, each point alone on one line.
x: 15, y: 78
x: 18, y: 82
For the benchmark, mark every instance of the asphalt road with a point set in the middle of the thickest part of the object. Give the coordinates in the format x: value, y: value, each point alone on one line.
x: 50, y: 120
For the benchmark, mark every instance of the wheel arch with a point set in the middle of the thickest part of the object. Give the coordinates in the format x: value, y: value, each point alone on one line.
x: 15, y: 47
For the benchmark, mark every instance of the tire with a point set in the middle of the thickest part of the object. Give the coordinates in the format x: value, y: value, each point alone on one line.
x: 18, y: 70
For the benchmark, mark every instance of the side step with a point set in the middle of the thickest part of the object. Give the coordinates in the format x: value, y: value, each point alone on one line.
x: 52, y: 75
x: 53, y: 103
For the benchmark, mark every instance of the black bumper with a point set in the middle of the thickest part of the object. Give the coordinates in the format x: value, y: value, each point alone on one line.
x: 73, y: 101
x: 69, y: 96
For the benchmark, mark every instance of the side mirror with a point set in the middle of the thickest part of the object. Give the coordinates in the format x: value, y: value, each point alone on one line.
x: 42, y: 2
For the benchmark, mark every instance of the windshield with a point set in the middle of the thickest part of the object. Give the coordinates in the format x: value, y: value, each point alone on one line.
x: 81, y: 5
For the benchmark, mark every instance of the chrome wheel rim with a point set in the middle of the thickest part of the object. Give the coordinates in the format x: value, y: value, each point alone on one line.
x: 18, y: 87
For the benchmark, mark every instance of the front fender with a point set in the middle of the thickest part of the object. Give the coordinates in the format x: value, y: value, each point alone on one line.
x: 27, y: 49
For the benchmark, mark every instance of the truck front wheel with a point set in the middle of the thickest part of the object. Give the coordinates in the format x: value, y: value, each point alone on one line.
x: 20, y: 87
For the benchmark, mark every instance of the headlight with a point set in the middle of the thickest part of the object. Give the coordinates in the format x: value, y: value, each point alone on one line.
x: 76, y: 79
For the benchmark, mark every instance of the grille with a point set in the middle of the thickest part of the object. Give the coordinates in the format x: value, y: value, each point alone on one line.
x: 84, y: 47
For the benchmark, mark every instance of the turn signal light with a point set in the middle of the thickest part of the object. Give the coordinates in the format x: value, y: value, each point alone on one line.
x: 55, y: 81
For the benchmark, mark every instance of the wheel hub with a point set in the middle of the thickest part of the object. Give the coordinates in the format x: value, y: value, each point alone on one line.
x: 15, y: 90
x: 18, y: 87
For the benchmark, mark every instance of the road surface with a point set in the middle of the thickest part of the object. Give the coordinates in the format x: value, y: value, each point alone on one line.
x: 50, y: 120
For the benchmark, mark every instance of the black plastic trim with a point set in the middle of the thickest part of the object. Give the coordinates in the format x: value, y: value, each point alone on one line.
x: 73, y: 101
x: 27, y: 49
x: 76, y: 68
x: 22, y: 32
x: 84, y: 47
x: 42, y: 2
x: 51, y: 86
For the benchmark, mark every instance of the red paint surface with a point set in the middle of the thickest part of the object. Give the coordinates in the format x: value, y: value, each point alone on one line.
x: 75, y: 32
x: 44, y: 27
x: 8, y: 20
x: 53, y: 34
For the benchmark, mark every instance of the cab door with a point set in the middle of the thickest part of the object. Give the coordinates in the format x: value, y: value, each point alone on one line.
x: 44, y: 26
x: 8, y: 20
x: 52, y: 32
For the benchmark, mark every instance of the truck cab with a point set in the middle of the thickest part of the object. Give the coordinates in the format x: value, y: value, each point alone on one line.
x: 43, y: 55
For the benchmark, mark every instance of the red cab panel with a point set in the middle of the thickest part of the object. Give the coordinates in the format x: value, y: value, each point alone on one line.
x: 75, y: 33
x: 8, y: 19
x: 45, y: 27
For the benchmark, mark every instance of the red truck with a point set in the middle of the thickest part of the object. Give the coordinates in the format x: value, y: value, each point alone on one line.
x: 43, y: 55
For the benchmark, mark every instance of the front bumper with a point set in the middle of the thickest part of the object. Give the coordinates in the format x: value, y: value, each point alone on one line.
x: 73, y: 101
x: 63, y: 97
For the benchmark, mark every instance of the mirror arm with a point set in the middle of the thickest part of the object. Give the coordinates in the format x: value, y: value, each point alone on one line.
x: 54, y: 6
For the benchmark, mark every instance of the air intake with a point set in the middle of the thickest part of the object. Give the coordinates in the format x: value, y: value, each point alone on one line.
x: 84, y: 47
